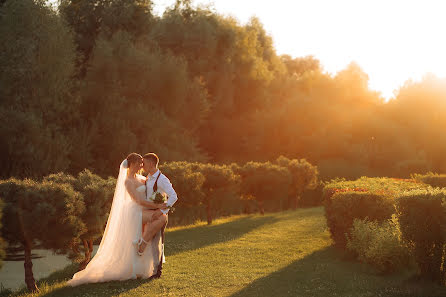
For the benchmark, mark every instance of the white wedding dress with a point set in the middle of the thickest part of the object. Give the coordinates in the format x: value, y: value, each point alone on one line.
x: 117, y: 258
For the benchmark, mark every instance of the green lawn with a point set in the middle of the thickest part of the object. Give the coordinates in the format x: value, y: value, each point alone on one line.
x: 280, y: 254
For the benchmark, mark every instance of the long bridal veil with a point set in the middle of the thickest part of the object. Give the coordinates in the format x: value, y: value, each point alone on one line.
x: 115, y: 256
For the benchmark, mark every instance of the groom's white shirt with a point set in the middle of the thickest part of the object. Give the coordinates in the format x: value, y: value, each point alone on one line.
x: 164, y: 186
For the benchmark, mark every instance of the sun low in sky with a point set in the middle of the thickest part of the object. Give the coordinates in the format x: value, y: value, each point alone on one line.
x: 392, y: 40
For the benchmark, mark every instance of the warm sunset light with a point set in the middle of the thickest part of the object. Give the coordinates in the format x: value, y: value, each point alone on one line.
x: 392, y: 41
x: 226, y: 148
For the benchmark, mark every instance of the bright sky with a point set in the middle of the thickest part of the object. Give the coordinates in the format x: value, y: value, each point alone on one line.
x: 392, y: 40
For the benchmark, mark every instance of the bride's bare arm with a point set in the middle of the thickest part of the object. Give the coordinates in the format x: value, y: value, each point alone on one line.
x: 137, y: 196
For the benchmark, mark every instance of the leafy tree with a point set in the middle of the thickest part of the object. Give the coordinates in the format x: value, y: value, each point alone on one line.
x: 220, y: 183
x: 236, y: 63
x: 37, y: 108
x: 97, y: 194
x: 32, y: 209
x: 88, y: 18
x: 264, y: 181
x: 299, y: 66
x: 188, y: 186
x: 304, y: 176
x: 160, y: 110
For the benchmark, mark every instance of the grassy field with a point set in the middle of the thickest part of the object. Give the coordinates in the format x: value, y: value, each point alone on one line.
x: 280, y: 254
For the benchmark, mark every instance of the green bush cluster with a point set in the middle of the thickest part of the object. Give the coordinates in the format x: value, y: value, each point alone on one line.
x: 344, y: 207
x: 358, y: 215
x: 214, y: 190
x: 379, y: 244
x: 433, y: 179
x: 44, y: 214
x: 386, y: 185
x: 97, y: 194
x: 372, y: 198
x: 422, y: 218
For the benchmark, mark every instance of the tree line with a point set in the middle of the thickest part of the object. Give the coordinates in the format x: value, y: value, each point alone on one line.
x: 83, y: 85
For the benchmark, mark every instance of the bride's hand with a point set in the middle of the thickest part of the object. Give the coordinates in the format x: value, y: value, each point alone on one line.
x: 163, y: 206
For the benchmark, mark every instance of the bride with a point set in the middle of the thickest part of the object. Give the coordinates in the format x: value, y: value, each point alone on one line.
x: 117, y: 257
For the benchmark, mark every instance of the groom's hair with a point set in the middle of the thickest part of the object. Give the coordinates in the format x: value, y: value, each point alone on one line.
x: 152, y: 157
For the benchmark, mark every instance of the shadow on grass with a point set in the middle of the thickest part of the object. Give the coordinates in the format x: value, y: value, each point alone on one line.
x: 183, y: 240
x: 111, y: 288
x: 324, y: 273
x: 176, y: 242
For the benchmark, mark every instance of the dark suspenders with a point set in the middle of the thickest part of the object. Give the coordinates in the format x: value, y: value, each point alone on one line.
x: 155, y: 185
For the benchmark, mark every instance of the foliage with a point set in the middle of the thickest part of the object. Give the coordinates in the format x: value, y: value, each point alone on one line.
x: 343, y: 207
x: 422, y: 216
x: 194, y: 85
x: 32, y: 209
x: 188, y: 186
x: 263, y: 182
x: 379, y: 244
x: 433, y: 179
x: 220, y: 184
x: 391, y: 186
x: 304, y: 176
x: 37, y: 108
x: 97, y: 195
x: 145, y: 112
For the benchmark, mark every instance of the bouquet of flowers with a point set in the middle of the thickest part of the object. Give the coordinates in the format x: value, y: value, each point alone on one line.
x: 158, y: 197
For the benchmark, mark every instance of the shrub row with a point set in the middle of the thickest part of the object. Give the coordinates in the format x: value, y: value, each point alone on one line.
x: 379, y: 244
x: 344, y: 207
x: 75, y: 208
x: 433, y: 179
x: 422, y: 219
x: 390, y: 225
x: 371, y: 198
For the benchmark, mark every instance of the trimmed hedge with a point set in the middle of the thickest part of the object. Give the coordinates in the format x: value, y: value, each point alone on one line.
x: 342, y: 208
x: 422, y: 217
x: 391, y: 186
x: 434, y: 179
x: 380, y: 245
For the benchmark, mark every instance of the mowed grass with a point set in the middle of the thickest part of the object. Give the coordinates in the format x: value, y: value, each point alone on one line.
x: 279, y: 254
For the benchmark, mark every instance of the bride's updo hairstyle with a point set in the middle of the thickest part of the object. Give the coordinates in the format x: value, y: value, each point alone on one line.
x: 133, y: 158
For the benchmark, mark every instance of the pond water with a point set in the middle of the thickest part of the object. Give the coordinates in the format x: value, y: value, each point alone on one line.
x: 12, y: 274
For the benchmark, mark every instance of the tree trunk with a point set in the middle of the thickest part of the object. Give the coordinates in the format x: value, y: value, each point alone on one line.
x: 90, y: 246
x: 29, y: 276
x: 209, y: 212
x: 87, y: 255
x: 261, y: 208
x: 296, y: 201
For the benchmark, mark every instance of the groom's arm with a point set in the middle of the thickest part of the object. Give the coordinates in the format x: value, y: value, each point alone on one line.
x: 172, y: 197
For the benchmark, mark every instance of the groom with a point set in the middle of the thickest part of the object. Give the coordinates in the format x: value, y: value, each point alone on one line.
x: 156, y: 181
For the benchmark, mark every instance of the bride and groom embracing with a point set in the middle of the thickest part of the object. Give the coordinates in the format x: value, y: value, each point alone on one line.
x: 132, y: 245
